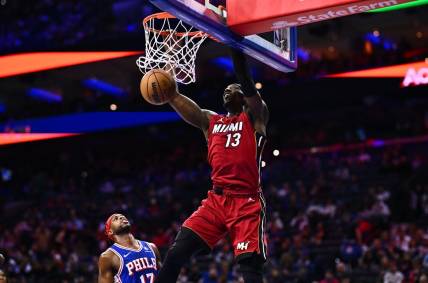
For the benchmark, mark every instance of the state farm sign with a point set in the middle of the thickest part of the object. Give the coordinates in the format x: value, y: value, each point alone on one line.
x: 415, y: 77
x: 332, y: 13
x: 258, y: 16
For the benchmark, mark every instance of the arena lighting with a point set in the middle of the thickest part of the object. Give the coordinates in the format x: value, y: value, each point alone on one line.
x: 11, y: 138
x: 17, y: 64
x: 303, y: 55
x: 2, y: 108
x: 90, y: 122
x: 413, y: 74
x: 375, y: 143
x: 77, y: 124
x: 44, y: 95
x: 400, y: 6
x: 224, y: 63
x: 99, y: 85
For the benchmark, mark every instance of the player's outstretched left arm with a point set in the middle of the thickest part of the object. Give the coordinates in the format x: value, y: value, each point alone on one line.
x: 255, y: 105
x: 105, y: 268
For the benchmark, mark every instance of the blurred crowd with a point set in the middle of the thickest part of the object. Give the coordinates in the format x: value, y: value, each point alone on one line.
x: 355, y: 216
x: 50, y: 25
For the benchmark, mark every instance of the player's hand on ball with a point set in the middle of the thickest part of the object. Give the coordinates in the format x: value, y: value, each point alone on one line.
x: 158, y: 87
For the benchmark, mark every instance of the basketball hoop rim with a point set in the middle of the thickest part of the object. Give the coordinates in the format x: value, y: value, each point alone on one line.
x: 166, y: 15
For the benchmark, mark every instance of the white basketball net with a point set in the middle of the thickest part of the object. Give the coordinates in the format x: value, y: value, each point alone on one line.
x: 171, y: 45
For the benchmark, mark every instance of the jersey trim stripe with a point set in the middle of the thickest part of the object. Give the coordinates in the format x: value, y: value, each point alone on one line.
x: 119, y: 272
x: 260, y: 145
x: 262, y: 224
x: 130, y: 249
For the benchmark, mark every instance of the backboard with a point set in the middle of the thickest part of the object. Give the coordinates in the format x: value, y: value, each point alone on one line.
x: 280, y: 53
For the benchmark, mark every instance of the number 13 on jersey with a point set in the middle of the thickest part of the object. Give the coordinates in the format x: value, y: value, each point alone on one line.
x: 233, y: 140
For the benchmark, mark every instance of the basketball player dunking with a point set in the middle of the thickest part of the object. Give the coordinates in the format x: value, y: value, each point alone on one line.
x: 128, y: 260
x: 235, y: 204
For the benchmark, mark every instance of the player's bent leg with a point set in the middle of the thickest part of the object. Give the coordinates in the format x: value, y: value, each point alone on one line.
x: 186, y: 244
x: 251, y: 268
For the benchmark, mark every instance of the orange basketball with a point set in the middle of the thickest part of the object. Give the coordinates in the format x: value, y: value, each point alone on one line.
x: 157, y: 87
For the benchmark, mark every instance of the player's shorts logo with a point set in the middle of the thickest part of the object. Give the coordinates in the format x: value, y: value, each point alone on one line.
x: 242, y: 246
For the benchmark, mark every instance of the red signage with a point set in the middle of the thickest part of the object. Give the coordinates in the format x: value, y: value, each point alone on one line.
x: 414, y: 74
x: 258, y: 16
x: 415, y: 77
x: 11, y: 138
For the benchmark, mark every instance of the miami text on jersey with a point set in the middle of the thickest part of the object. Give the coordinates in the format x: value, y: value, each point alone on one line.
x: 224, y: 128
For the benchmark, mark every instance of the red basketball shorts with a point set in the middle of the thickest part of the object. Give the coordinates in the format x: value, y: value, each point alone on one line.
x: 242, y: 217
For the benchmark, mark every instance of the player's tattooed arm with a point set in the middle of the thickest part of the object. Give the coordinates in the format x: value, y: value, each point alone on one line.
x: 191, y: 112
x: 105, y: 268
x: 158, y: 256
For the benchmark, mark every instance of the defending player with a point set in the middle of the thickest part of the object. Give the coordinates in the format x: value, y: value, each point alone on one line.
x: 235, y: 205
x: 128, y: 260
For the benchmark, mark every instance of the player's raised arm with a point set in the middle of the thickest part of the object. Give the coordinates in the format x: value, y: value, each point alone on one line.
x: 191, y: 112
x: 256, y: 106
x: 105, y: 269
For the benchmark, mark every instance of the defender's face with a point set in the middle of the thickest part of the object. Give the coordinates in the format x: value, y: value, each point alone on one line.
x: 120, y: 224
x: 233, y: 96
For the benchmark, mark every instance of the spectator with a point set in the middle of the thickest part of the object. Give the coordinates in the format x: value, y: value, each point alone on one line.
x: 329, y: 278
x: 393, y: 275
x: 3, y: 278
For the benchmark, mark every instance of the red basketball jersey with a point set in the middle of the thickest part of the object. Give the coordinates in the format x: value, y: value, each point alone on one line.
x: 234, y: 153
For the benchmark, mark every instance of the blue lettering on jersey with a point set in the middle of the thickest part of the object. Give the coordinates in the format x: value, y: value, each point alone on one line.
x: 136, y: 266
